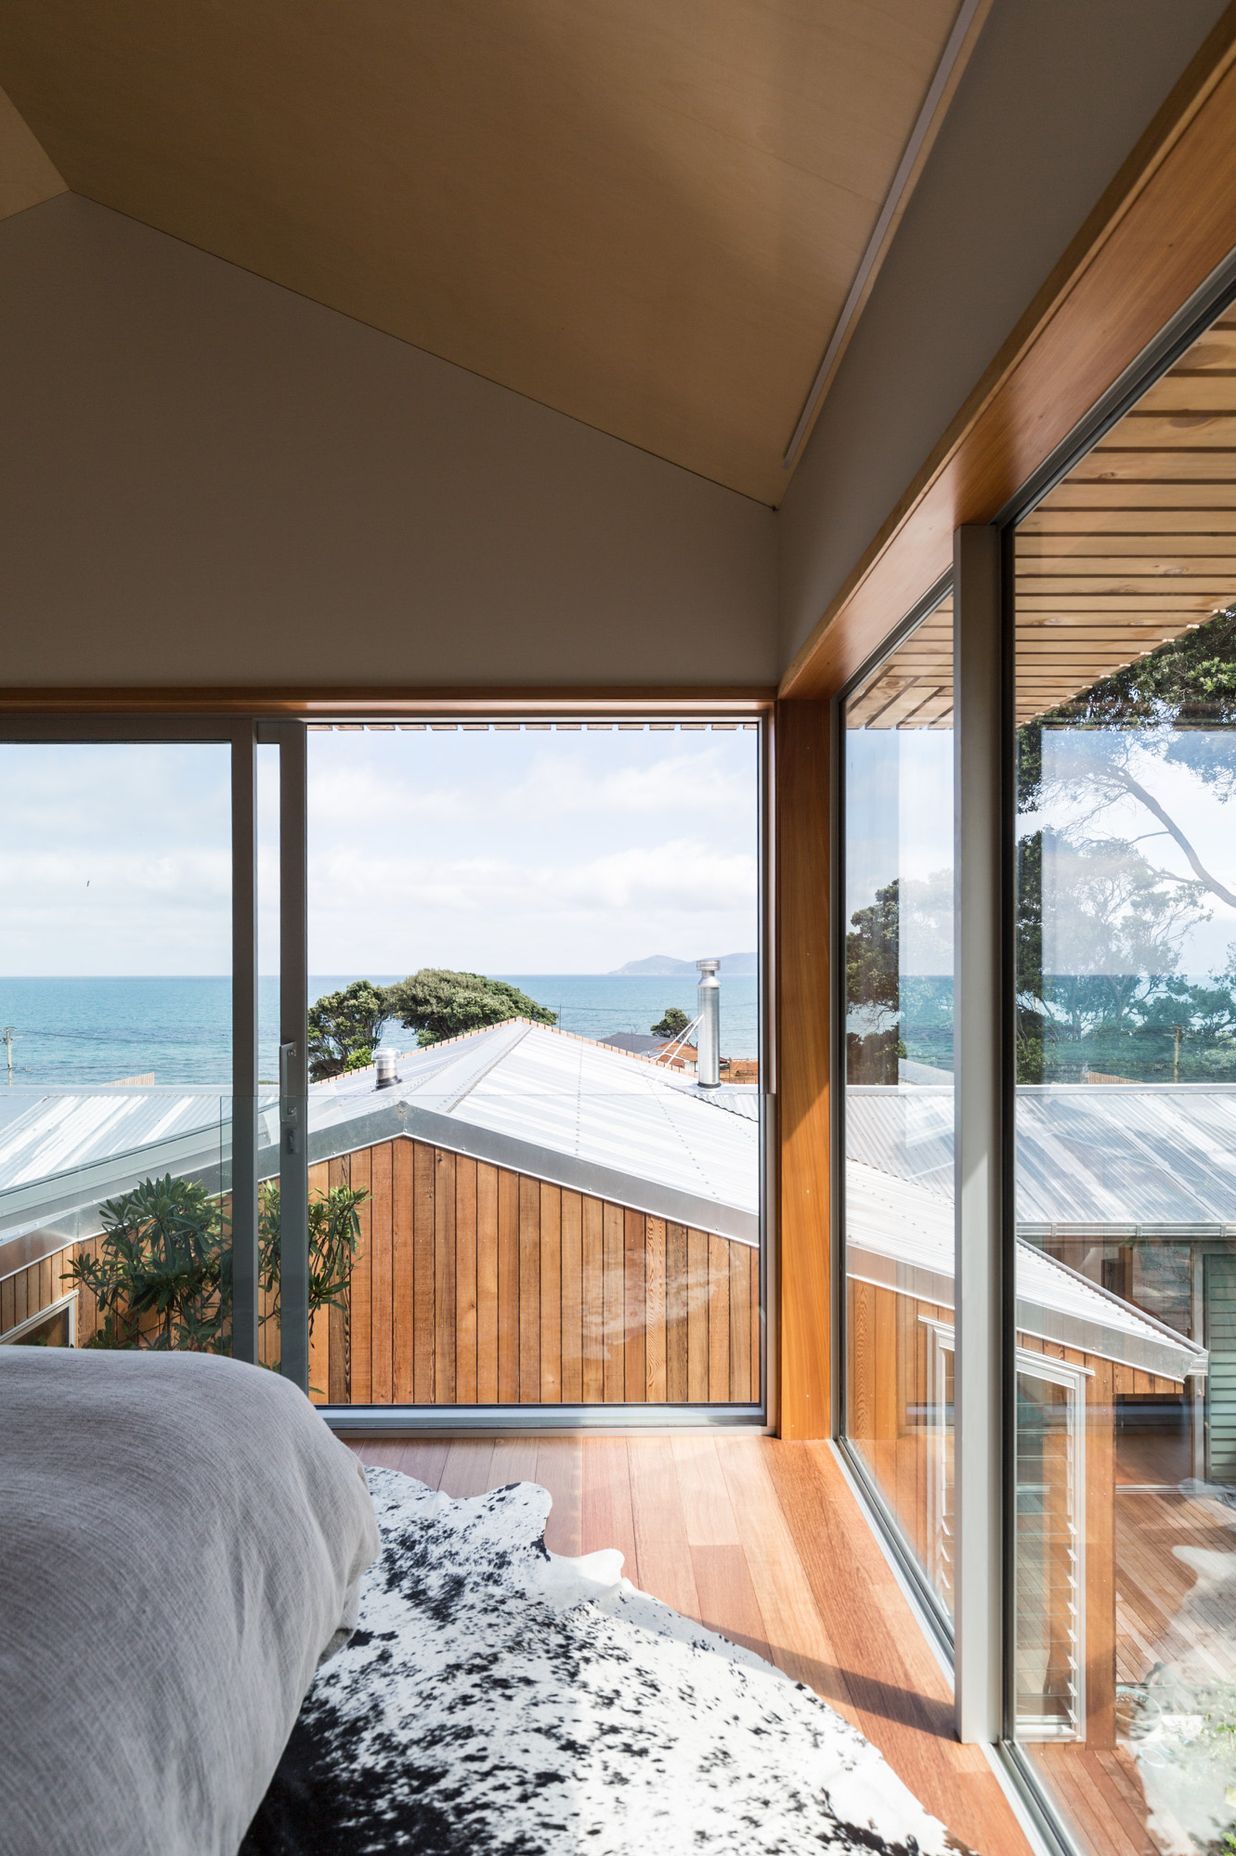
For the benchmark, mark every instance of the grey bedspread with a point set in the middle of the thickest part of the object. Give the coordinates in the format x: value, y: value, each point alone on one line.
x: 181, y: 1540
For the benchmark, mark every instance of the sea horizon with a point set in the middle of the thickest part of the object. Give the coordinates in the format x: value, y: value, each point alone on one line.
x: 71, y: 1030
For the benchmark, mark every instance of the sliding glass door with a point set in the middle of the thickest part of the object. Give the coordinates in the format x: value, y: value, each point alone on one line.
x: 149, y: 1150
x: 499, y: 1143
x: 1087, y: 1336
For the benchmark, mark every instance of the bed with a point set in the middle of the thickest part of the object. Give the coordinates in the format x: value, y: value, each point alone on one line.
x: 181, y: 1543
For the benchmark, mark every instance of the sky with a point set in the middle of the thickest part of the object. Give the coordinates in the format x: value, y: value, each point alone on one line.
x: 899, y: 823
x: 501, y: 852
x: 1208, y: 821
x: 899, y: 819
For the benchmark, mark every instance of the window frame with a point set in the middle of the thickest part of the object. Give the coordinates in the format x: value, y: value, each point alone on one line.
x: 931, y: 1611
x: 244, y: 724
x: 1211, y: 299
x: 395, y: 1421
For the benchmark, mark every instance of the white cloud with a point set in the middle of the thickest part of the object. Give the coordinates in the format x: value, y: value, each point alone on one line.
x: 501, y: 851
x: 362, y: 798
x: 679, y: 784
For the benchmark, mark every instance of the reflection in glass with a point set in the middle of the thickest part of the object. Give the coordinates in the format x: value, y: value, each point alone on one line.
x: 1125, y: 1193
x: 898, y: 852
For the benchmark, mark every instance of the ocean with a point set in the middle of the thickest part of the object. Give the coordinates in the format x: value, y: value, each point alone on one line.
x: 73, y: 1031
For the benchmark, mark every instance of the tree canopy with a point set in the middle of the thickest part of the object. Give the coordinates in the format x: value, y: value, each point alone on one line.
x: 1118, y: 863
x: 671, y: 1024
x: 437, y: 1003
x: 1112, y: 770
x: 873, y: 988
x: 1176, y: 706
x: 345, y: 1028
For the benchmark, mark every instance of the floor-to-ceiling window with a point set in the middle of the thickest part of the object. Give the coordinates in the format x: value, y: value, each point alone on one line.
x: 1115, y: 1025
x: 896, y: 1170
x: 1124, y: 1148
x: 535, y: 1057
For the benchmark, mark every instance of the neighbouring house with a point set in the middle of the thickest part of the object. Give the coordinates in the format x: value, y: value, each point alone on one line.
x: 547, y: 1220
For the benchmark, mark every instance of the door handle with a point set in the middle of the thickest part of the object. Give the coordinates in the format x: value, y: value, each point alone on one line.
x: 287, y: 1107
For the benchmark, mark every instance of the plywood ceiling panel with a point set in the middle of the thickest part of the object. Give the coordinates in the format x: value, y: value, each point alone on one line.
x: 646, y: 215
x: 27, y: 176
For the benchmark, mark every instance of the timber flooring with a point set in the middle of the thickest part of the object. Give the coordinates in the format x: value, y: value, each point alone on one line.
x: 763, y: 1541
x: 1100, y: 1794
x: 1161, y: 1617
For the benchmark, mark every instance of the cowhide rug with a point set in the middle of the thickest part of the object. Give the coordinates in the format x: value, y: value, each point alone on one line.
x: 501, y: 1698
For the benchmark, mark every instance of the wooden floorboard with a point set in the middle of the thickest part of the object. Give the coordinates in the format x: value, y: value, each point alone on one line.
x: 762, y: 1541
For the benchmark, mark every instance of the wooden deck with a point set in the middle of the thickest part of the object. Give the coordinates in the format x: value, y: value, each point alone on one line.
x: 1159, y: 1620
x: 1099, y: 1793
x: 763, y: 1541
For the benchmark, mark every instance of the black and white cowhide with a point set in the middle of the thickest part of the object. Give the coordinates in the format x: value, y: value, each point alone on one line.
x: 501, y: 1698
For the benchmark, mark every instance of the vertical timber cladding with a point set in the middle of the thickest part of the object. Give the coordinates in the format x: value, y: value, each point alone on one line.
x: 475, y: 1285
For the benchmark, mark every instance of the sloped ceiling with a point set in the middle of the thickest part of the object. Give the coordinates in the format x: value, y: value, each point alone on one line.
x: 27, y: 177
x: 647, y: 214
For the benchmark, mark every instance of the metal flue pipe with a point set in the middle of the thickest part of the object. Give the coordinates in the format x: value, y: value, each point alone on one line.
x: 708, y: 1063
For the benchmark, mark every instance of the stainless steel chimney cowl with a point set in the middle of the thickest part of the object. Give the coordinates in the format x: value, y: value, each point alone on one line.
x: 708, y: 1061
x: 384, y: 1063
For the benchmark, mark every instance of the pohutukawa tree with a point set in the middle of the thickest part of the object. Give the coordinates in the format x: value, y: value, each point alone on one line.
x: 1105, y: 769
x: 345, y: 1028
x: 437, y: 1003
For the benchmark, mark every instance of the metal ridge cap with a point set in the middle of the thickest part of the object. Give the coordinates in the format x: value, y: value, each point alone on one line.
x: 392, y: 1120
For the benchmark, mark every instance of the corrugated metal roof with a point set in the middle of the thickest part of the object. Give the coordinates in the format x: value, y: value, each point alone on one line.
x: 629, y: 1126
x: 588, y: 1116
x: 521, y: 1095
x: 1089, y: 1155
x: 47, y: 1135
x: 900, y: 1235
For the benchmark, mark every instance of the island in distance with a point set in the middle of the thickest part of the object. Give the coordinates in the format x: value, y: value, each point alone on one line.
x: 664, y: 966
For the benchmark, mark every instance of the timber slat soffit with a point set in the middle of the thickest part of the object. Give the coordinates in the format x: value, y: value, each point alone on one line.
x: 1089, y: 600
x: 1160, y: 232
x: 593, y: 205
